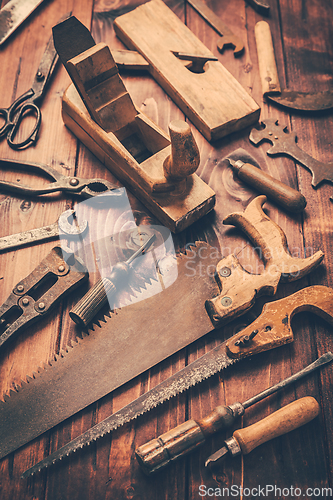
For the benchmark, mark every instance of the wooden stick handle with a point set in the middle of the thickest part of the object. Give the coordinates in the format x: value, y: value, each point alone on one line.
x: 86, y: 309
x: 285, y: 196
x: 286, y: 419
x: 185, y: 157
x: 266, y: 59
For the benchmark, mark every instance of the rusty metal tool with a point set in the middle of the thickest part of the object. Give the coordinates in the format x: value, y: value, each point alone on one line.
x: 86, y: 309
x: 29, y: 102
x: 85, y: 188
x: 13, y: 14
x: 318, y: 299
x: 61, y: 270
x: 288, y: 198
x: 60, y: 229
x: 285, y: 143
x: 260, y: 6
x: 286, y: 419
x: 116, y: 359
x: 196, y: 62
x: 303, y: 101
x: 229, y: 39
x: 187, y: 437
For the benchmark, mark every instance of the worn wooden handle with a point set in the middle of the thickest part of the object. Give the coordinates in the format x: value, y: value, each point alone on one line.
x: 286, y: 419
x: 185, y: 157
x: 266, y: 59
x: 288, y: 198
x: 85, y: 310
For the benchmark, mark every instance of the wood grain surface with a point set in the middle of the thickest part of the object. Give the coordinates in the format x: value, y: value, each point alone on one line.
x: 107, y: 469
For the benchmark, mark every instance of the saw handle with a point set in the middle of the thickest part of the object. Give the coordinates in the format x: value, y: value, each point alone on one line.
x: 86, y: 309
x: 159, y: 452
x: 280, y: 422
x: 266, y: 59
x: 288, y: 198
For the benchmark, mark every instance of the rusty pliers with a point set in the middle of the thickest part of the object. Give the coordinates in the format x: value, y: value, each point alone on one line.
x: 86, y: 188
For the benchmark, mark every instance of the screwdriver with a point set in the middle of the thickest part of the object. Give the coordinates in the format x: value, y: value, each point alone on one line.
x: 285, y: 196
x: 186, y: 437
x: 280, y: 422
x: 85, y: 310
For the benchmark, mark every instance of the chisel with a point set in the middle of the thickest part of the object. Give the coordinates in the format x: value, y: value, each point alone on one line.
x: 284, y: 420
x: 183, y: 439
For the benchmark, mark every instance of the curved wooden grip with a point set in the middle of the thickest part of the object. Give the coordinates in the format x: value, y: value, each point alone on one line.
x: 266, y: 59
x: 286, y: 419
x: 273, y: 326
x: 285, y: 196
x: 267, y: 236
x: 86, y: 309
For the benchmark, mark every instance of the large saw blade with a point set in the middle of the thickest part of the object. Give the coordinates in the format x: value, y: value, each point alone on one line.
x: 130, y: 342
x: 202, y: 368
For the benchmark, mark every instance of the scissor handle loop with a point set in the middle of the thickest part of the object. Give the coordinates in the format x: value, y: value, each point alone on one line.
x: 9, y: 113
x: 16, y: 123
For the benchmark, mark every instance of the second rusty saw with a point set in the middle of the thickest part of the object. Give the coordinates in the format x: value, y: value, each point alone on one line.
x: 120, y: 347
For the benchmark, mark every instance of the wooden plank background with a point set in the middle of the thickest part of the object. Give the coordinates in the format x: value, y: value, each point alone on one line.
x: 302, y: 33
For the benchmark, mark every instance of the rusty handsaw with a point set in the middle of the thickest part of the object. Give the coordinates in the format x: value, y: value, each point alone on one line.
x: 271, y: 89
x: 210, y: 289
x: 272, y: 329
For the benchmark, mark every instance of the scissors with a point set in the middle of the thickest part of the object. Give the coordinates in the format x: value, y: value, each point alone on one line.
x: 26, y: 103
x: 85, y: 188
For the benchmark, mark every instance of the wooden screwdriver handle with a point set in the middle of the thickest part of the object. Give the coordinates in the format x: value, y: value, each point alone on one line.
x: 288, y: 198
x: 86, y: 309
x: 284, y: 420
x: 266, y: 59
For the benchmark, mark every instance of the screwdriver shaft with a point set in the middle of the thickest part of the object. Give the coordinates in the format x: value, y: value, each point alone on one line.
x: 325, y: 358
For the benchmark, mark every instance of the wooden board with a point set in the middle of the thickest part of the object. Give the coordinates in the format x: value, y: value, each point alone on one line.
x: 213, y: 100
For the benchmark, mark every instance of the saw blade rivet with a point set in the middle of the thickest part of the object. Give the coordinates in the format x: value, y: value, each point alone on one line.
x: 25, y: 301
x: 74, y: 181
x: 226, y: 301
x: 41, y: 305
x: 20, y: 288
x: 61, y: 268
x: 225, y: 272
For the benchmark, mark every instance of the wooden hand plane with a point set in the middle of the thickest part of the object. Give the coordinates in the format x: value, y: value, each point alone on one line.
x: 158, y: 169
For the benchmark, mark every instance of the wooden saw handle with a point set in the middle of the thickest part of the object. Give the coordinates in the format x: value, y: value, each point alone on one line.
x: 266, y: 59
x: 284, y: 420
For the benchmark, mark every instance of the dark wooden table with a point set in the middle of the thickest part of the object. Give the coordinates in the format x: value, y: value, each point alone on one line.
x: 302, y: 33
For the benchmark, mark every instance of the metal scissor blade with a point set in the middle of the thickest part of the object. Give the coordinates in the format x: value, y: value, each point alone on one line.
x: 13, y: 14
x: 46, y: 65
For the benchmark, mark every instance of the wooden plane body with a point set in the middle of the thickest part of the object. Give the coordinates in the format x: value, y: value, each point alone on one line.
x: 214, y: 101
x: 175, y: 209
x: 159, y: 170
